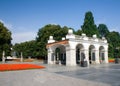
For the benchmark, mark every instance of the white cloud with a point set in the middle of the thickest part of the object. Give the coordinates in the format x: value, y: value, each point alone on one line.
x: 23, y: 36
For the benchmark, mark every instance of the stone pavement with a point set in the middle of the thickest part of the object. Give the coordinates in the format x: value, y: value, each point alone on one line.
x: 41, y: 78
x: 104, y: 73
x: 55, y: 75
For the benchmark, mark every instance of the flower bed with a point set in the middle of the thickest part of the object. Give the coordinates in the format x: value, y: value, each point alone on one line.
x: 11, y: 67
x: 111, y: 60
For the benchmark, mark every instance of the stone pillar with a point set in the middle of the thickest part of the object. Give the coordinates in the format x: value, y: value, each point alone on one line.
x: 59, y: 62
x: 50, y: 56
x: 70, y: 57
x: 21, y: 59
x: 97, y: 60
x: 3, y: 57
x: 106, y: 56
x: 73, y: 57
x: 54, y: 58
x: 87, y: 56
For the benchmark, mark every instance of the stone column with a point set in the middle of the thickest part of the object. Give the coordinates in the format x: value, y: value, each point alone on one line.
x: 21, y: 59
x: 50, y: 54
x: 67, y: 57
x: 97, y: 60
x: 106, y: 56
x: 70, y: 57
x: 73, y: 57
x: 87, y: 56
x: 54, y: 58
x: 49, y: 58
x: 3, y: 57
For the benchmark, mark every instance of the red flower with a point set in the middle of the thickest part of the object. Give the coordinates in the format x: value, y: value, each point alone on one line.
x: 9, y: 67
x: 112, y: 60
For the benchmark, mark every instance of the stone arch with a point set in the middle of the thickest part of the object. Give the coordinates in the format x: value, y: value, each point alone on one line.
x: 59, y: 54
x: 80, y: 56
x: 101, y: 54
x: 92, y: 55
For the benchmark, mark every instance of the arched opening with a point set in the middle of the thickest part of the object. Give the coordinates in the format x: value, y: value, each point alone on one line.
x: 91, y: 54
x: 60, y: 55
x: 80, y: 56
x: 101, y: 54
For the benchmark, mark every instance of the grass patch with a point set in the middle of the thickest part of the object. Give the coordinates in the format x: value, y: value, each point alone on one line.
x: 111, y: 58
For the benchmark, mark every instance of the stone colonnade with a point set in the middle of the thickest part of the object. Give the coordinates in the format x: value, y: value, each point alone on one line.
x: 74, y: 49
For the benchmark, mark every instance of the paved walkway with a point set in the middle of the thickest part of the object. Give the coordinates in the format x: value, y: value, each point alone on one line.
x: 104, y: 73
x: 109, y: 74
x: 55, y: 75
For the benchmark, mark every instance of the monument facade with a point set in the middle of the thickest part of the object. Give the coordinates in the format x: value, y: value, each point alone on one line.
x: 72, y: 50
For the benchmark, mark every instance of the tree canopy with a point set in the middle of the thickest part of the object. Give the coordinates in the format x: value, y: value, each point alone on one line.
x: 5, y: 39
x: 114, y: 43
x: 54, y: 30
x: 37, y: 47
x: 89, y: 27
x: 103, y: 30
x: 49, y: 30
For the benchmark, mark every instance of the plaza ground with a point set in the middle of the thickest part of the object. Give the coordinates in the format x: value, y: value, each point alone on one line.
x: 55, y: 75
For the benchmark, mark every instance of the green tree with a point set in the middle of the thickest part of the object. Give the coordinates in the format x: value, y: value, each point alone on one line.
x: 79, y: 32
x: 114, y: 43
x: 27, y: 48
x: 37, y: 48
x: 89, y: 27
x: 103, y: 30
x: 43, y: 35
x: 5, y: 40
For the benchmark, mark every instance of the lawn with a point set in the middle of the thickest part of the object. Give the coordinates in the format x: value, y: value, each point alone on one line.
x: 12, y: 67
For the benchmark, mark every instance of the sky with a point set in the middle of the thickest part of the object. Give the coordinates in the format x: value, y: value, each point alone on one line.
x: 25, y: 17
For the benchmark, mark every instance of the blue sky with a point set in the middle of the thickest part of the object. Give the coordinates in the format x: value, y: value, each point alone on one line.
x: 25, y: 17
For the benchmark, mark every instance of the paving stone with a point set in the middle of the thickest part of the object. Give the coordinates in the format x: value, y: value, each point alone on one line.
x: 55, y: 75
